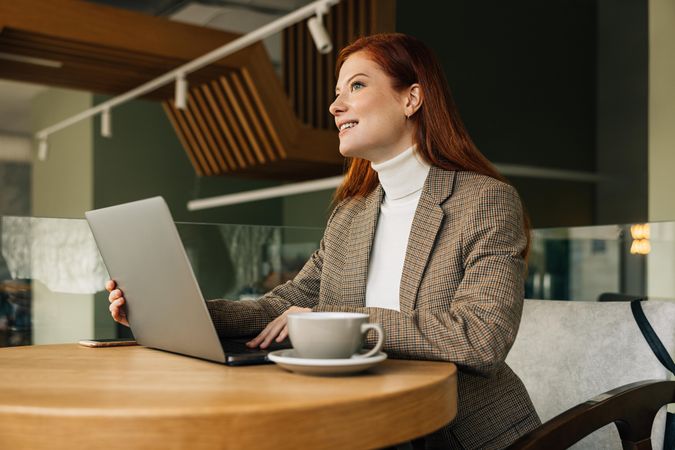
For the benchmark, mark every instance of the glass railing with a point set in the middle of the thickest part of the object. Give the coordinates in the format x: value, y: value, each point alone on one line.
x: 583, y: 263
x: 52, y: 275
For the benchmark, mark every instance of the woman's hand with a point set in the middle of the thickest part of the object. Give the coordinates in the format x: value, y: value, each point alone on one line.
x: 278, y: 328
x: 116, y: 299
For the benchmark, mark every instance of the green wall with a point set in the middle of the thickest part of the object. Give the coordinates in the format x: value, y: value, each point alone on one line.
x: 523, y: 77
x: 522, y: 74
x: 62, y: 186
x: 307, y: 210
x: 560, y: 84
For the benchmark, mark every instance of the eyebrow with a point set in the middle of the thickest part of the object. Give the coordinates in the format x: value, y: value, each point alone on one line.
x: 351, y: 78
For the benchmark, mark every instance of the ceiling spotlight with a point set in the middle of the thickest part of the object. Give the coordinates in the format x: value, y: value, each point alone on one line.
x: 106, y: 124
x: 42, y: 148
x: 181, y: 91
x: 318, y: 31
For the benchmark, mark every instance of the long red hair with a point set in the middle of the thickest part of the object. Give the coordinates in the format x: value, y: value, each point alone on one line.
x: 440, y: 135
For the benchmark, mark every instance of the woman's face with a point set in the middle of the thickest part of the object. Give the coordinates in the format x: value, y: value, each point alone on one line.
x: 369, y: 113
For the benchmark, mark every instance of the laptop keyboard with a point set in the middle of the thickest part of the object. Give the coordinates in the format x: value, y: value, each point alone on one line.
x: 239, y: 346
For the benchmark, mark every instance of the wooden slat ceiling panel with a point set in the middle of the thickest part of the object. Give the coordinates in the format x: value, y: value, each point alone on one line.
x: 302, y: 82
x: 216, y: 141
x: 230, y: 145
x: 109, y: 27
x: 192, y: 147
x: 312, y: 89
x: 91, y: 67
x: 72, y: 51
x: 242, y: 148
x: 232, y: 101
x: 254, y: 117
x: 183, y: 136
x: 226, y: 122
x: 205, y: 136
x: 328, y: 81
x: 269, y: 128
x: 240, y: 119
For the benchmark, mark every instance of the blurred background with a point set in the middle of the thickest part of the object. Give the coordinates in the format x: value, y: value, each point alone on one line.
x: 573, y: 100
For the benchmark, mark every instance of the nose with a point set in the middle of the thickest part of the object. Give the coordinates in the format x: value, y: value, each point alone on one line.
x: 337, y: 107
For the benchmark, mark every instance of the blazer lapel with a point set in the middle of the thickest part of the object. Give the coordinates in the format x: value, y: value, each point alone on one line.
x: 361, y: 236
x: 425, y: 226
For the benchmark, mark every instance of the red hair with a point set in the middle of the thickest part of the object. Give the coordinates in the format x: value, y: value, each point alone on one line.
x: 440, y: 137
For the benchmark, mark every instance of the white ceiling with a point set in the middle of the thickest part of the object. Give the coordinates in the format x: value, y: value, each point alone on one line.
x: 232, y: 18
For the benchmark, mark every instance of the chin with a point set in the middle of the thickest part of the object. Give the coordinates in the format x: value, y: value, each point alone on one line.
x: 345, y: 152
x: 349, y: 152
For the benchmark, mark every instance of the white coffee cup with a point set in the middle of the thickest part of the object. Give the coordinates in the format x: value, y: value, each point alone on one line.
x: 331, y: 335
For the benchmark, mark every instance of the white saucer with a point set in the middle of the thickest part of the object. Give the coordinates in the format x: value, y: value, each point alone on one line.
x: 287, y: 360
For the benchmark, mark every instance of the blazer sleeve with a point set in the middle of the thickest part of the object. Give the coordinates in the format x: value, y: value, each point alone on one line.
x: 248, y: 317
x: 480, y: 323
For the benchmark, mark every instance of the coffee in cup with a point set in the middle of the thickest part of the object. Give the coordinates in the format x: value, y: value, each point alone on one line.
x: 331, y: 335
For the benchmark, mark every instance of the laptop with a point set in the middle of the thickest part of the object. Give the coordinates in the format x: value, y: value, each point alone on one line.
x: 145, y: 256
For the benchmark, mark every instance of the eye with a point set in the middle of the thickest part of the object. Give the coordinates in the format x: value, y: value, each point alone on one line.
x: 356, y: 85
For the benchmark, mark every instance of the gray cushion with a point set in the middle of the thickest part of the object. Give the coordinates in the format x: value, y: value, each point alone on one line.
x: 568, y: 352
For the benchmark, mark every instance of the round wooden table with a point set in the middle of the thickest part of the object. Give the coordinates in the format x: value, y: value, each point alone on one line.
x: 70, y: 397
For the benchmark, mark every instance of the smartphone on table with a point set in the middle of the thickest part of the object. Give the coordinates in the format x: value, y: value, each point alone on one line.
x: 107, y: 342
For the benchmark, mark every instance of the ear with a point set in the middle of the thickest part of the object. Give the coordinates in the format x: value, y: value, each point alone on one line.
x: 413, y: 99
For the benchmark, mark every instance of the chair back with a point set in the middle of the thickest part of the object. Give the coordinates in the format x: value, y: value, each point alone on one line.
x: 631, y: 408
x: 568, y: 351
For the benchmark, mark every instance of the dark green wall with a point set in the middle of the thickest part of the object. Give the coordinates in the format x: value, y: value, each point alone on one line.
x: 15, y: 188
x: 557, y: 84
x: 308, y: 210
x: 523, y: 75
x: 622, y: 120
x: 144, y: 158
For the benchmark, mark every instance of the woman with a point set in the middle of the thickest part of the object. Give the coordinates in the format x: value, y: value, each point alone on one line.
x: 426, y: 238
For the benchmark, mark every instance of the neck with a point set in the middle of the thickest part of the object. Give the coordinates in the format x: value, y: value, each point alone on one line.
x: 402, y: 175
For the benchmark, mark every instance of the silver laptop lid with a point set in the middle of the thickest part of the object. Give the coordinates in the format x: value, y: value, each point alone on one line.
x: 143, y: 253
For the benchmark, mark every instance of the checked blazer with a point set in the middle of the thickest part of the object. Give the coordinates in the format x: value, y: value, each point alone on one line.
x: 461, y: 296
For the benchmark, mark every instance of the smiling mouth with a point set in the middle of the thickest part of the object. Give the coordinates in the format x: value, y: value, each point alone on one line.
x: 347, y: 126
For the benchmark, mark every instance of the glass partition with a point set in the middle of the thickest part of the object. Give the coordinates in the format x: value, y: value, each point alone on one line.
x: 582, y: 263
x: 52, y: 275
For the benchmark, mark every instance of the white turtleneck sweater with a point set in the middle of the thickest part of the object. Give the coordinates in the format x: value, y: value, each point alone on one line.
x: 402, y: 179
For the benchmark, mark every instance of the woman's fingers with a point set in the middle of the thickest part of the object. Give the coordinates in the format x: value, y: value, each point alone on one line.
x: 118, y: 313
x: 258, y: 339
x: 278, y: 325
x: 284, y: 334
x: 275, y: 330
x: 114, y: 310
x: 116, y: 299
x: 254, y: 342
x: 270, y: 332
